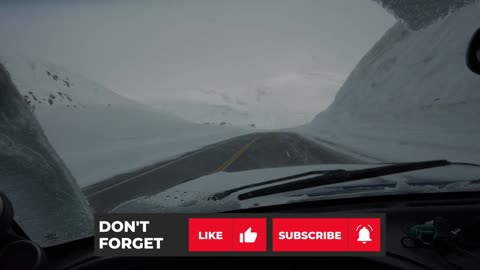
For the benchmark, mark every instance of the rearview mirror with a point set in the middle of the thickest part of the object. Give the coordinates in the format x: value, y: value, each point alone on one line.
x: 473, y: 53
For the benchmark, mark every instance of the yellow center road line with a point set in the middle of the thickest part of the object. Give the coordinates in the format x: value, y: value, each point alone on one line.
x: 173, y: 161
x: 237, y: 155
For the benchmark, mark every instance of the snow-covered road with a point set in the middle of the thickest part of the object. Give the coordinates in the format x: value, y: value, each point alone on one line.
x: 247, y: 152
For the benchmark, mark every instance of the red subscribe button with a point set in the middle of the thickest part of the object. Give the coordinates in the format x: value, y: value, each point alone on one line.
x: 326, y: 234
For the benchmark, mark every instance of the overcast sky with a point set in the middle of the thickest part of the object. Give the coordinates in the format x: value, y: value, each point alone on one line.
x: 144, y: 49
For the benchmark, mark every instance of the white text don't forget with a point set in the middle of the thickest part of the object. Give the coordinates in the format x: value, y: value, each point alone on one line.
x: 127, y: 242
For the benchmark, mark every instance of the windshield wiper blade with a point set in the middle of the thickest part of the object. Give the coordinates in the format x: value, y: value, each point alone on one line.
x: 223, y: 194
x: 342, y: 176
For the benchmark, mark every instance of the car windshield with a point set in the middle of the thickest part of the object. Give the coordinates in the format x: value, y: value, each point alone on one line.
x: 157, y: 106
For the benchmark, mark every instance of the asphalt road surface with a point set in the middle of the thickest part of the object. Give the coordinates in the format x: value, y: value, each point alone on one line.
x: 247, y: 152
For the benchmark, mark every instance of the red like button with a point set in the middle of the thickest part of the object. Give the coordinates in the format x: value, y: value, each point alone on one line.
x: 227, y: 234
x: 209, y: 234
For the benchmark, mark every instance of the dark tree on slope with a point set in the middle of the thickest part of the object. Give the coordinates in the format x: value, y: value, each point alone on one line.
x: 417, y: 14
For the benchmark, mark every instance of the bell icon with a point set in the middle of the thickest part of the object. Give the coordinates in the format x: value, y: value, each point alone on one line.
x: 364, y: 235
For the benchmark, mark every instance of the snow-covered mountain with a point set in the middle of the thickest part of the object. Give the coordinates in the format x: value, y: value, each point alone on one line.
x: 411, y: 96
x: 286, y: 100
x: 97, y: 132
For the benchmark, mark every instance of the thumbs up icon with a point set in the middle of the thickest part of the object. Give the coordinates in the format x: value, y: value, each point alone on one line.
x: 248, y: 236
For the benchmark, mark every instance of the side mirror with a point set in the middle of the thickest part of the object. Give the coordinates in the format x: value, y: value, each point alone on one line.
x: 473, y: 53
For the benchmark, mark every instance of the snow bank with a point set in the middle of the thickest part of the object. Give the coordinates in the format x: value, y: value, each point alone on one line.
x: 48, y: 203
x: 411, y: 97
x: 97, y: 132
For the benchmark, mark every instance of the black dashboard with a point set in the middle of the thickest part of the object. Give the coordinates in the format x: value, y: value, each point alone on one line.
x: 459, y: 210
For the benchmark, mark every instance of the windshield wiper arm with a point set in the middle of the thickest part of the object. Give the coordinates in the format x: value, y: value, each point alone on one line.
x: 342, y: 176
x: 223, y: 194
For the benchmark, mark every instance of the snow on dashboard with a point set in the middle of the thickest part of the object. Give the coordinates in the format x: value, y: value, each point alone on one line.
x: 193, y: 196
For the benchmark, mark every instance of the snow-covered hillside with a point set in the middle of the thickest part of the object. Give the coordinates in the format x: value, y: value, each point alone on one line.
x: 411, y: 96
x: 286, y: 100
x: 97, y: 132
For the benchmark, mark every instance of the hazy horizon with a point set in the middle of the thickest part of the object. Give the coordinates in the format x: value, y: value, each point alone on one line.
x: 154, y: 51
